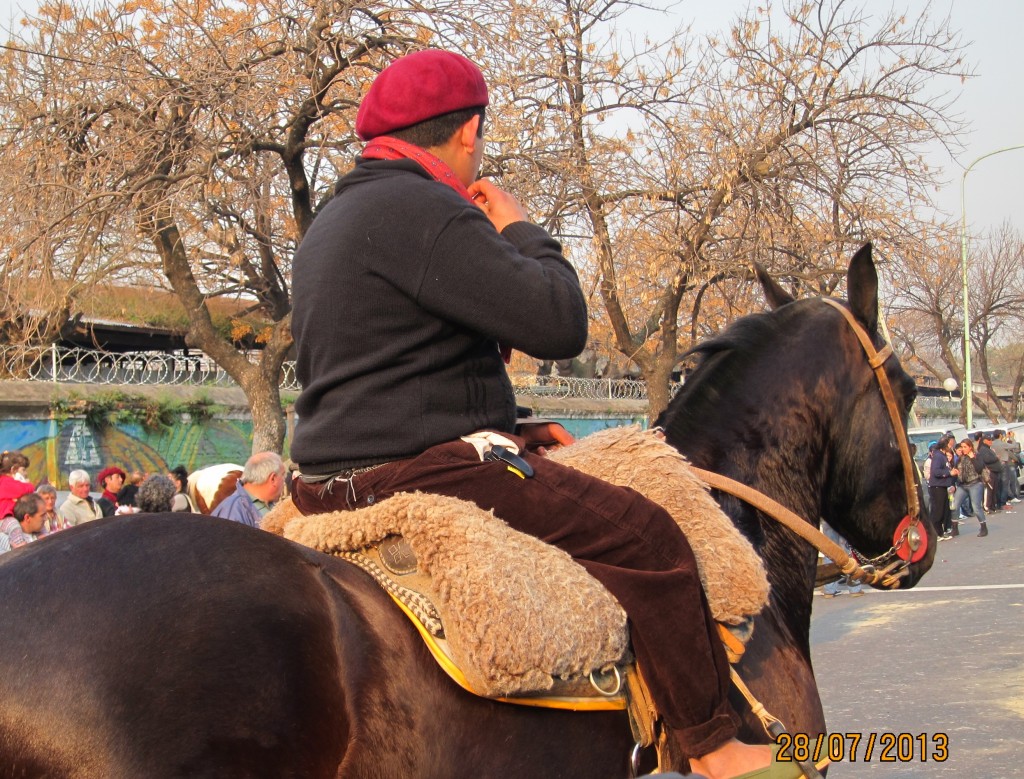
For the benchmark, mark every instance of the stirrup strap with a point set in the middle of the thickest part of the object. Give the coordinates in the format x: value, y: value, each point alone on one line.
x: 772, y: 725
x: 643, y: 716
x: 643, y: 720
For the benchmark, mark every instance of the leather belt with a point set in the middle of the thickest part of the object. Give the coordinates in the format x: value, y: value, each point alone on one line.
x: 344, y: 475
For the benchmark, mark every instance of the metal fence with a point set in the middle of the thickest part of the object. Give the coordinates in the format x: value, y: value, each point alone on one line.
x: 91, y: 366
x: 936, y: 402
x: 529, y: 385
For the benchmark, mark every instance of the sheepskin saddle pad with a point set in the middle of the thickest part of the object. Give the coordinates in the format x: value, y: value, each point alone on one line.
x: 503, y: 613
x: 507, y: 615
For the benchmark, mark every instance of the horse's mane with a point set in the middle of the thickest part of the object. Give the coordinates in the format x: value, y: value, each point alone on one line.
x: 746, y: 335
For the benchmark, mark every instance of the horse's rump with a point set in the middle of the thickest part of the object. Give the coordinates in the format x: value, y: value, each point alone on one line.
x: 200, y: 647
x: 179, y: 622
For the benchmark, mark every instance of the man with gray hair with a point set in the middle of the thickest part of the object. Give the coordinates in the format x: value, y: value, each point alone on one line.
x: 259, y: 487
x: 80, y: 506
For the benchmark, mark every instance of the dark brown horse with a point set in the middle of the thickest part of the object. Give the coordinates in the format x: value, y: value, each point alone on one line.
x: 185, y: 646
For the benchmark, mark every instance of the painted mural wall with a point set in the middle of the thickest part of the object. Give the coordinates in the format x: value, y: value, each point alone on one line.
x: 55, y: 448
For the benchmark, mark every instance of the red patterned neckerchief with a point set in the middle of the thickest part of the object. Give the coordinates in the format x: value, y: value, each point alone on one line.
x: 384, y: 147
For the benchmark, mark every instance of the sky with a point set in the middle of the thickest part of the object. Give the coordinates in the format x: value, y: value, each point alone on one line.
x: 992, y: 102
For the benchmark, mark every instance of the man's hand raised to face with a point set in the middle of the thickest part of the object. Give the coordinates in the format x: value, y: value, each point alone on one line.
x: 501, y: 208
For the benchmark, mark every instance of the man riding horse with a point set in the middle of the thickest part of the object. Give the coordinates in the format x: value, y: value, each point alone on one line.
x: 408, y: 287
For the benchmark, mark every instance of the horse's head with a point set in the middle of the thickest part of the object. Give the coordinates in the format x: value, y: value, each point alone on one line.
x: 870, y: 482
x: 789, y: 403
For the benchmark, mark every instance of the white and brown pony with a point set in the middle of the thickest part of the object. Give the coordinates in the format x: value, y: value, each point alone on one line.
x: 209, y: 486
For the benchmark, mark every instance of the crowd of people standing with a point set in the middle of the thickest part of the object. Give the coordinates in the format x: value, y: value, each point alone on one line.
x: 971, y: 479
x: 29, y: 512
x: 967, y: 481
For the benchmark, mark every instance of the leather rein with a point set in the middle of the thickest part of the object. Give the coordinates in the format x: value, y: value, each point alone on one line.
x: 909, y: 542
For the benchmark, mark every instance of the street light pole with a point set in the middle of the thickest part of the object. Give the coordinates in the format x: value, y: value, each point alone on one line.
x: 967, y: 390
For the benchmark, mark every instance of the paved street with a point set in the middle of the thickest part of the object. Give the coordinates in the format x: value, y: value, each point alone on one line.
x: 944, y: 658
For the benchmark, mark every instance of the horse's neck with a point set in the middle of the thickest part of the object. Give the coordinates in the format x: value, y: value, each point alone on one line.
x: 788, y: 463
x: 778, y: 449
x: 789, y: 561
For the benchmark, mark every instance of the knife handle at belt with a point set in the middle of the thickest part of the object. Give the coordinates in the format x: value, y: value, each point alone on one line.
x: 515, y: 463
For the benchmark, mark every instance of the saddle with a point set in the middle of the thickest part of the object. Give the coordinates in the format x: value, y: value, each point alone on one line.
x: 510, y: 617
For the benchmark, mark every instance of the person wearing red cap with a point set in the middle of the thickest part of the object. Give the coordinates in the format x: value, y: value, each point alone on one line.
x: 409, y: 286
x: 110, y: 481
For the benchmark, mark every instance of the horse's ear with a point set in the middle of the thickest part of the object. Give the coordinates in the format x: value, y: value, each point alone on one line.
x: 774, y: 294
x: 862, y: 288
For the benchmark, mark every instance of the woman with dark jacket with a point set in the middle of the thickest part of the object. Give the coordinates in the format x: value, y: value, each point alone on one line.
x: 941, y: 477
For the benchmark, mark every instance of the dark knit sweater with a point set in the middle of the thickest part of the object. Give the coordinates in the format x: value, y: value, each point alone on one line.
x: 403, y: 290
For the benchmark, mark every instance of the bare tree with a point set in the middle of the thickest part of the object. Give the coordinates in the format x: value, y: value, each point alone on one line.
x: 788, y: 141
x: 195, y: 143
x: 928, y: 310
x: 1000, y: 295
x: 192, y: 144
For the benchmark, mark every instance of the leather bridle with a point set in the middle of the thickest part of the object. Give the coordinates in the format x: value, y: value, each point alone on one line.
x: 877, y: 360
x: 909, y: 541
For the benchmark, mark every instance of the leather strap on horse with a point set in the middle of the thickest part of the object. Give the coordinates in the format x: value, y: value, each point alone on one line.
x: 876, y: 359
x: 772, y: 725
x: 734, y: 648
x: 643, y: 716
x: 643, y: 721
x: 794, y: 522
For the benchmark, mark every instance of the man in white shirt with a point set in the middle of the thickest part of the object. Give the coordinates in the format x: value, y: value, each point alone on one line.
x: 80, y: 506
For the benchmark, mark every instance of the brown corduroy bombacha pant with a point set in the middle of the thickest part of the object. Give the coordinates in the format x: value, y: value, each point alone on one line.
x: 628, y: 543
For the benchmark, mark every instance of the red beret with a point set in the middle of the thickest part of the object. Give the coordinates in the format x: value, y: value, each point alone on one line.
x: 418, y: 87
x: 108, y: 472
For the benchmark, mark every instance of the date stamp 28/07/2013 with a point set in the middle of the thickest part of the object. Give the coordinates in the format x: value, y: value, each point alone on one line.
x: 864, y: 747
